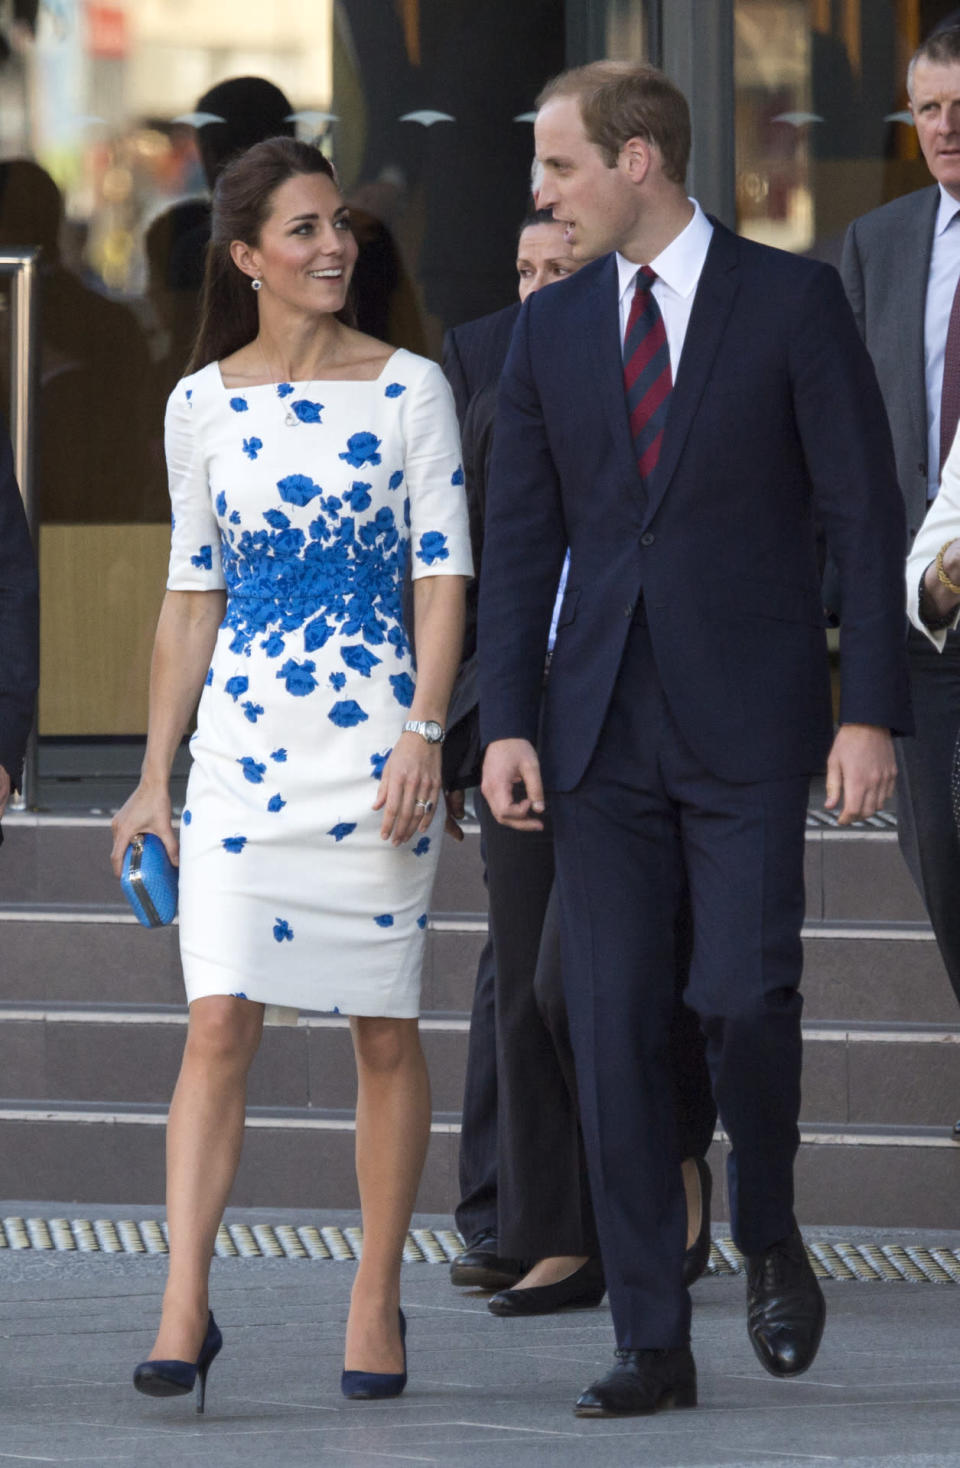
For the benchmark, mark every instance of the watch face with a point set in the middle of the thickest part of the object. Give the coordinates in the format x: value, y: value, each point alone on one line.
x: 432, y: 731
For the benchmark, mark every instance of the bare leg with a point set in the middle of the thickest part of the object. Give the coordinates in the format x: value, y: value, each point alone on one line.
x: 691, y: 1185
x: 552, y: 1270
x: 204, y: 1138
x: 393, y: 1129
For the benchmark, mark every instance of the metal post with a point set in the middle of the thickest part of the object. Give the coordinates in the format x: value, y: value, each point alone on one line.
x: 697, y: 41
x: 23, y: 266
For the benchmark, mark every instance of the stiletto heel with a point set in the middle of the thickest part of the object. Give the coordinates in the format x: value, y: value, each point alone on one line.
x: 178, y: 1378
x: 364, y: 1385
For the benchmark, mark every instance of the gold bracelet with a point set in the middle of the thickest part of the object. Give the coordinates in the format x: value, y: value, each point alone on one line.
x: 942, y: 576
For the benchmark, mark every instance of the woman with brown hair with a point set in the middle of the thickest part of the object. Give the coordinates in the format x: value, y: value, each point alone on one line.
x: 309, y: 465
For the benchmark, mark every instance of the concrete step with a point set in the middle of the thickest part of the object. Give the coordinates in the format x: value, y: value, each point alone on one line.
x: 122, y: 1054
x: 881, y: 971
x: 866, y: 1073
x: 865, y: 1176
x: 854, y: 874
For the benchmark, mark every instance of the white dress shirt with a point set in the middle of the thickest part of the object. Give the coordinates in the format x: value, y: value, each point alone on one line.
x: 942, y: 523
x: 678, y: 269
x: 942, y: 280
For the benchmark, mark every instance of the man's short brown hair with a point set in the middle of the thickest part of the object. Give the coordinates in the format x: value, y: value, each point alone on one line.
x: 940, y: 49
x: 620, y: 100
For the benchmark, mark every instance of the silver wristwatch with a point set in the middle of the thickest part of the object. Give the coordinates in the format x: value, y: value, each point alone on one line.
x: 428, y: 729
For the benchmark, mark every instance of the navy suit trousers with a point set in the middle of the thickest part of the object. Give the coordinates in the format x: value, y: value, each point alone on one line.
x: 646, y: 817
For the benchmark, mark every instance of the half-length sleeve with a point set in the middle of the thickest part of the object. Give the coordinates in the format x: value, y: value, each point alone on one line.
x: 436, y: 504
x: 194, y: 531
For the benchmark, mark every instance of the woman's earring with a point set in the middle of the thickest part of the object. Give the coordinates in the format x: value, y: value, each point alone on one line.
x: 256, y: 283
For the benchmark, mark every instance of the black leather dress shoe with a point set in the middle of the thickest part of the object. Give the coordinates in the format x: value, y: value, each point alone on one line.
x: 642, y: 1382
x: 785, y: 1307
x: 581, y: 1290
x: 480, y: 1267
x: 697, y: 1257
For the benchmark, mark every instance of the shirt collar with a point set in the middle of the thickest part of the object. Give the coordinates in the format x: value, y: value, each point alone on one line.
x: 680, y: 264
x: 947, y: 211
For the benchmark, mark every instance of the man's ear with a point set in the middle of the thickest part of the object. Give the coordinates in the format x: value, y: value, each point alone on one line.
x: 636, y: 156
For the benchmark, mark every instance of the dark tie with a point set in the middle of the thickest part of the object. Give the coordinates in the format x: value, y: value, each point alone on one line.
x: 950, y: 392
x: 646, y: 373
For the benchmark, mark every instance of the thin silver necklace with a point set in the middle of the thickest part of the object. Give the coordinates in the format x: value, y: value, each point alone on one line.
x: 290, y: 416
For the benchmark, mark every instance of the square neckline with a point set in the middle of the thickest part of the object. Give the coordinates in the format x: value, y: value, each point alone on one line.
x: 309, y: 381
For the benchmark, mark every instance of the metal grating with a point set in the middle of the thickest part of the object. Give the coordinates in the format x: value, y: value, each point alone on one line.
x: 865, y: 1263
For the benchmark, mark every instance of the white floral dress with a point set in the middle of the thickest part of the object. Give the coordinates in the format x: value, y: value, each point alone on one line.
x: 306, y: 502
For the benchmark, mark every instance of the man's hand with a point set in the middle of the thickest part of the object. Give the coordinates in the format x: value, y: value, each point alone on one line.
x: 456, y: 812
x: 862, y: 770
x: 508, y: 763
x: 4, y: 790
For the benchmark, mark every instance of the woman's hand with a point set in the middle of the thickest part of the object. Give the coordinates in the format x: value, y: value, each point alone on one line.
x: 148, y: 809
x: 410, y: 788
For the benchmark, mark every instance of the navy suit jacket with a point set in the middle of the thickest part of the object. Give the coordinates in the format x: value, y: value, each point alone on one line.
x: 19, y: 633
x: 474, y: 354
x: 775, y: 419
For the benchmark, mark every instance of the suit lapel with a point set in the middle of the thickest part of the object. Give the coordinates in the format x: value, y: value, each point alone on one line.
x: 915, y: 250
x: 715, y: 294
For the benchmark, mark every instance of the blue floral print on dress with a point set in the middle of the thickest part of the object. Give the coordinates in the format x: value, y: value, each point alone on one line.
x: 276, y: 519
x: 252, y: 771
x: 338, y: 681
x: 362, y: 449
x: 342, y: 829
x: 422, y: 846
x: 252, y: 447
x: 275, y: 803
x: 347, y: 714
x: 384, y: 920
x: 378, y: 762
x: 234, y: 517
x: 298, y: 489
x: 394, y: 389
x: 251, y: 710
x: 237, y: 685
x: 187, y: 817
x: 396, y: 479
x: 282, y: 930
x: 208, y: 680
x: 456, y: 478
x: 433, y: 547
x: 299, y: 677
x: 360, y: 659
x: 280, y: 755
x: 220, y: 503
x: 203, y: 558
x: 284, y: 389
x: 273, y: 645
x: 239, y: 405
x: 422, y: 920
x: 306, y: 411
x: 234, y: 844
x: 403, y: 688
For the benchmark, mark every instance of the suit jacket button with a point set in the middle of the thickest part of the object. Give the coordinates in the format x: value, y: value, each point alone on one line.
x: 648, y: 538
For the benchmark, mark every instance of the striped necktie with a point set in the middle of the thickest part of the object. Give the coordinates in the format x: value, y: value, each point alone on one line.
x: 647, y: 378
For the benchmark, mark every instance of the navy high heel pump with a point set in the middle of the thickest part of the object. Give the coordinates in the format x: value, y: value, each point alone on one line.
x: 363, y: 1385
x: 177, y: 1378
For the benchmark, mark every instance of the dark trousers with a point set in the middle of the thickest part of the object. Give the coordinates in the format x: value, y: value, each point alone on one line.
x: 927, y: 832
x: 646, y: 819
x: 477, y: 1210
x: 542, y: 1189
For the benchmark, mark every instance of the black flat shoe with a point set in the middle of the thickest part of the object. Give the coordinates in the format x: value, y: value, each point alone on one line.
x: 480, y: 1267
x: 642, y: 1382
x: 581, y: 1290
x: 697, y: 1257
x: 785, y: 1307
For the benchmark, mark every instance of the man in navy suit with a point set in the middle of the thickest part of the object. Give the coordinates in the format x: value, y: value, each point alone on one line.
x: 18, y: 627
x: 689, y: 696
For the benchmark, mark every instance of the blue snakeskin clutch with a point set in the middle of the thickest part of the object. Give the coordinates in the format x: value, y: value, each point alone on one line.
x: 149, y: 881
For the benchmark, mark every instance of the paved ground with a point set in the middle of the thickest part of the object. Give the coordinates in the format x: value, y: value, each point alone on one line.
x: 483, y: 1392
